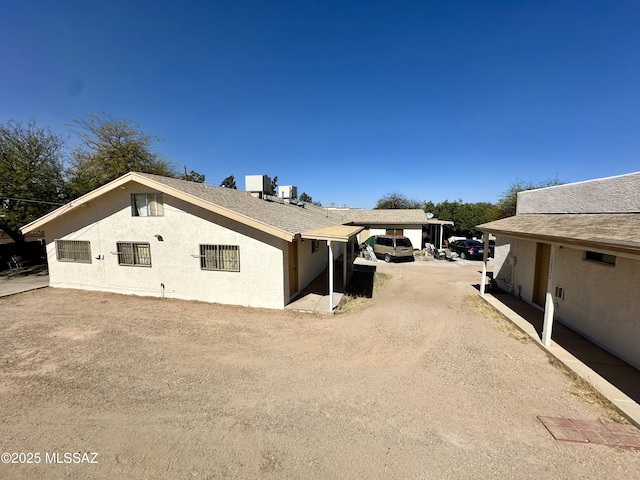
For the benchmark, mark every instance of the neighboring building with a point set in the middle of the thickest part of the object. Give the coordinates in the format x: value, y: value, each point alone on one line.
x: 149, y: 235
x: 574, y: 251
x: 31, y: 237
x: 411, y: 223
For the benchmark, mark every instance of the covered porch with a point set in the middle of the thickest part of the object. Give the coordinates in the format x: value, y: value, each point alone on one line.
x: 324, y: 293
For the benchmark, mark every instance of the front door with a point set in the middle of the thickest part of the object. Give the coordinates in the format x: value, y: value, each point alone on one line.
x: 293, y: 267
x: 543, y: 255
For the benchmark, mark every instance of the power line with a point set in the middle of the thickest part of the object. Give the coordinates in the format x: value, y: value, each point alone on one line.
x: 30, y: 201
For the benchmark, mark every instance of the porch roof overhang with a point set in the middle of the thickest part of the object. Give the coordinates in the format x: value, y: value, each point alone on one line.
x: 336, y: 233
x: 611, y: 232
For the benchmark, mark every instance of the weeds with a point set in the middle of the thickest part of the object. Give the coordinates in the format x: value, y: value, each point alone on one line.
x: 483, y: 308
x: 586, y: 392
x: 360, y: 291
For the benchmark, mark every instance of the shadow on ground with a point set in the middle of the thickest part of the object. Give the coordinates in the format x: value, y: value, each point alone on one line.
x: 614, y: 370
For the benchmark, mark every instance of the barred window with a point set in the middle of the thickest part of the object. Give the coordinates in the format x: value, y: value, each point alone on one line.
x: 73, y: 251
x: 220, y: 257
x: 147, y: 205
x: 134, y: 254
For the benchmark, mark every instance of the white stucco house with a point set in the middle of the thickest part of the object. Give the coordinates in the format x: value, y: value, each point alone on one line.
x: 149, y: 235
x: 574, y: 251
x: 412, y: 223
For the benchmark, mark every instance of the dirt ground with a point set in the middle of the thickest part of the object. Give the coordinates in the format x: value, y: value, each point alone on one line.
x: 418, y: 385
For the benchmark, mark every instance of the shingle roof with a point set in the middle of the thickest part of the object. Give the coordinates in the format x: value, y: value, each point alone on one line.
x: 275, y: 216
x: 415, y: 215
x: 612, y: 231
x: 288, y: 217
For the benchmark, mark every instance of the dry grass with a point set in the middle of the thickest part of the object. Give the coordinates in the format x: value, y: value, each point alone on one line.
x: 586, y: 392
x: 481, y: 307
x: 359, y: 294
x: 579, y: 387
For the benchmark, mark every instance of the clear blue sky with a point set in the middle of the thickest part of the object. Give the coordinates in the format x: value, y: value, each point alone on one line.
x: 348, y: 100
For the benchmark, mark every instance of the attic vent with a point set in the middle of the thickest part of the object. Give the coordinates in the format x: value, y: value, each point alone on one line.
x: 559, y: 292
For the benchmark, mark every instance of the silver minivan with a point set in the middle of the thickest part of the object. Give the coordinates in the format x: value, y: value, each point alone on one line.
x: 392, y: 247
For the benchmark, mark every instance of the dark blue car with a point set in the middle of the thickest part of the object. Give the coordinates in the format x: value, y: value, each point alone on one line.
x: 472, y: 249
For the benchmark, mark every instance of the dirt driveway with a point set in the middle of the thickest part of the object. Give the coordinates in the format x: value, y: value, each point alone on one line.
x: 419, y: 385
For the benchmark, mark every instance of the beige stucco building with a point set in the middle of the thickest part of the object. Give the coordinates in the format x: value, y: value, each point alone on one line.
x: 148, y: 235
x: 574, y: 251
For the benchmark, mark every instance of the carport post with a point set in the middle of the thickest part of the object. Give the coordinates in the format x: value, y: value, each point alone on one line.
x: 330, y: 275
x: 547, y: 325
x: 344, y: 265
x: 441, y: 234
x: 484, y: 264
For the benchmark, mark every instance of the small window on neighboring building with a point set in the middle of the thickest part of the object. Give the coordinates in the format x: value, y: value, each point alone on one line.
x: 73, y: 251
x: 147, y: 205
x: 315, y: 245
x: 600, y: 257
x: 220, y: 257
x: 137, y: 254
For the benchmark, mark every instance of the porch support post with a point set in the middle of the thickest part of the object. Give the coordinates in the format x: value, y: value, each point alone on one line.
x: 441, y: 234
x: 345, y: 260
x: 547, y: 325
x: 484, y: 264
x: 330, y: 275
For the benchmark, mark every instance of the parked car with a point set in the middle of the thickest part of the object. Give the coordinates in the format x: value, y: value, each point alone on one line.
x: 391, y: 247
x: 472, y: 249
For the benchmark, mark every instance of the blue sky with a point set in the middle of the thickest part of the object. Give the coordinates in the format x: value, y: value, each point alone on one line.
x: 348, y: 100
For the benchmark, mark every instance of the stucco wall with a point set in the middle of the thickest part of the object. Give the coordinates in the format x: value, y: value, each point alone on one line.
x: 260, y: 282
x: 525, y: 268
x: 600, y: 301
x: 502, y: 269
x: 605, y: 195
x: 311, y: 264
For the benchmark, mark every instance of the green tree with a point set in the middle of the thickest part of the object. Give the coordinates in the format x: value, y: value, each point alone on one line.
x: 31, y: 175
x: 508, y: 201
x: 229, y: 182
x: 274, y: 184
x: 465, y: 216
x: 395, y: 201
x: 109, y: 148
x: 304, y: 197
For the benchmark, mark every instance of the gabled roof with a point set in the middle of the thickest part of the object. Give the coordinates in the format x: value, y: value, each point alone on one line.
x: 277, y: 217
x: 369, y: 217
x: 616, y: 232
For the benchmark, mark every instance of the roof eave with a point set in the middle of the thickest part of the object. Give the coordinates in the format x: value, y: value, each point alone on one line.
x: 613, y: 247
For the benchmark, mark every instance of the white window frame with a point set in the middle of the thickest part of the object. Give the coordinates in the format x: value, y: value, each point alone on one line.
x: 75, y: 251
x: 147, y: 205
x: 136, y: 257
x: 221, y: 258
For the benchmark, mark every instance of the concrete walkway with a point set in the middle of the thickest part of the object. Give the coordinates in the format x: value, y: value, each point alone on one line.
x: 615, y: 379
x: 315, y: 296
x: 23, y: 279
